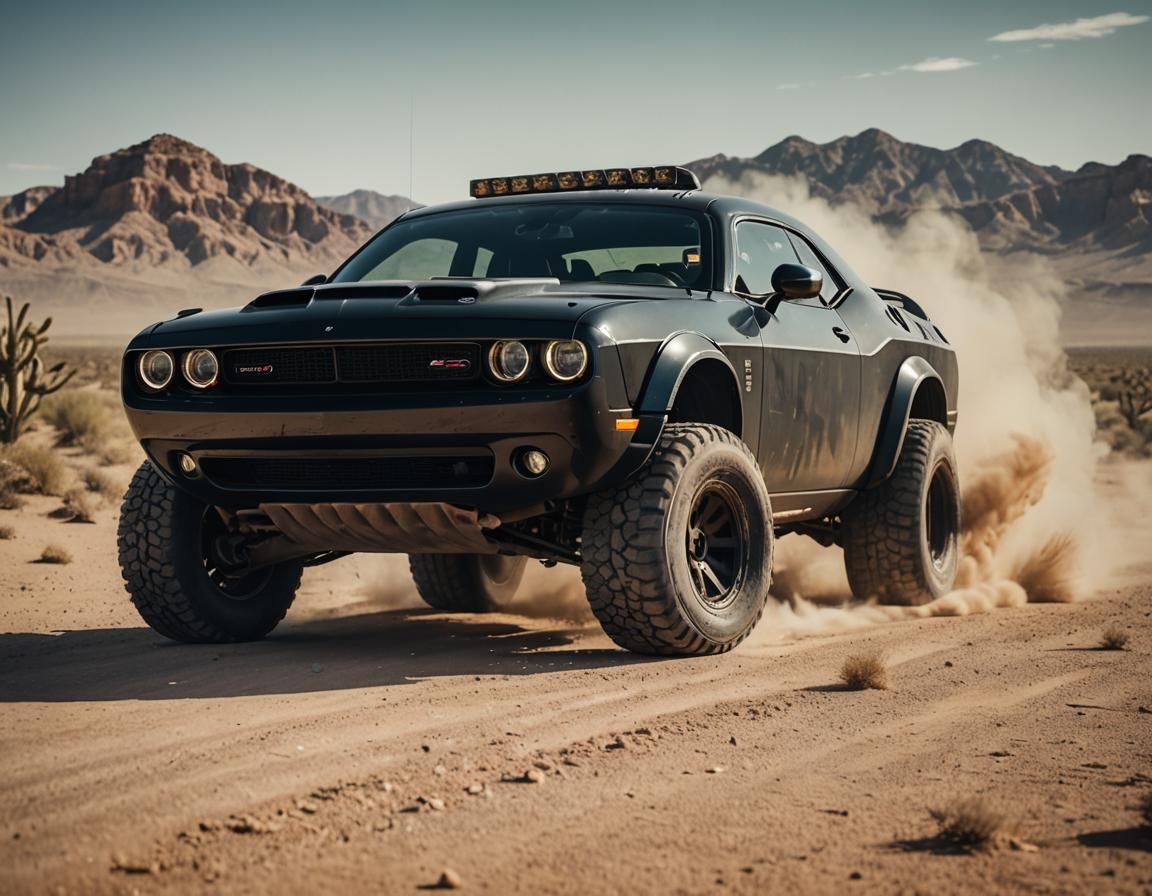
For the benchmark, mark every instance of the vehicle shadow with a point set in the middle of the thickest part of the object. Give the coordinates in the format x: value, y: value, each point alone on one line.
x: 361, y: 651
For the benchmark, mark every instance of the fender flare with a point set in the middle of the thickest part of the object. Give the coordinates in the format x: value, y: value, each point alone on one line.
x: 679, y: 354
x: 913, y: 374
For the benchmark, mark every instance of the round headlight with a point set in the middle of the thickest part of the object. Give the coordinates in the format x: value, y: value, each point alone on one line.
x: 567, y: 360
x: 201, y: 368
x: 508, y: 361
x: 155, y: 369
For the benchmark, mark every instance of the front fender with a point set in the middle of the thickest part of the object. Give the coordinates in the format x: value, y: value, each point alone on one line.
x: 675, y: 358
x: 910, y: 378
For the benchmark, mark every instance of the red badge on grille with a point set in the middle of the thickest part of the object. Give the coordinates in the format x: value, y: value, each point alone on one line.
x: 450, y: 364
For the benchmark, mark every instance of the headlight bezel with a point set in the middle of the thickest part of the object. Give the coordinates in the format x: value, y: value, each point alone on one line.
x: 186, y: 368
x: 496, y: 369
x: 549, y: 357
x: 141, y: 370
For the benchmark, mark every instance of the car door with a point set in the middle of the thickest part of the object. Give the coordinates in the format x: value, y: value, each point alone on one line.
x: 810, y: 368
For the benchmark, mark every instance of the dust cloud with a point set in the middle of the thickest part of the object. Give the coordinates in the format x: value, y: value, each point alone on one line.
x: 1033, y: 527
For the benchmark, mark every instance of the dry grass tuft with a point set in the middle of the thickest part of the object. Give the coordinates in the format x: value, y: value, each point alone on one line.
x: 93, y: 420
x: 79, y: 506
x: 103, y: 484
x: 10, y: 501
x: 47, y: 472
x: 972, y: 824
x: 865, y: 670
x: 54, y: 554
x: 7, y: 533
x: 1114, y: 638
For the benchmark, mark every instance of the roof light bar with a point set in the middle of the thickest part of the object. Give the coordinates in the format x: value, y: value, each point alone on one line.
x: 661, y: 177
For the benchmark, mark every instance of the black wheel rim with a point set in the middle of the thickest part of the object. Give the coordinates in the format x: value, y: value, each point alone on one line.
x: 224, y: 570
x: 940, y: 517
x: 716, y: 544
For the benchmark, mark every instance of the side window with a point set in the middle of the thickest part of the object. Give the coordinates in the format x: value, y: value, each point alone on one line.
x: 760, y: 249
x: 809, y: 257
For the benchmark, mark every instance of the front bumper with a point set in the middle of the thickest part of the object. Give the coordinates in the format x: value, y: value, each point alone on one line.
x: 576, y: 428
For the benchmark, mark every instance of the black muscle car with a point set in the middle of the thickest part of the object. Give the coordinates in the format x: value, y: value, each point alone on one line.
x: 606, y: 368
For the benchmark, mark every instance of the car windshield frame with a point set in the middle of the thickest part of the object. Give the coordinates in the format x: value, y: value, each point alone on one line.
x: 554, y: 239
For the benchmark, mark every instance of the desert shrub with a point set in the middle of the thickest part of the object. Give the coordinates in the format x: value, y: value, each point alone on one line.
x: 972, y: 823
x: 119, y: 451
x: 108, y: 487
x: 84, y: 417
x: 79, y: 506
x: 1114, y: 638
x: 55, y: 554
x: 865, y: 670
x: 47, y: 473
x: 7, y: 533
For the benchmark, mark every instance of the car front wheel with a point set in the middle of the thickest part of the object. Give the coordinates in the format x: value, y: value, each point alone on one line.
x: 678, y: 560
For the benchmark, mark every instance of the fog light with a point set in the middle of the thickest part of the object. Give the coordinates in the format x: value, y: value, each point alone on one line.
x: 187, y: 463
x: 533, y: 462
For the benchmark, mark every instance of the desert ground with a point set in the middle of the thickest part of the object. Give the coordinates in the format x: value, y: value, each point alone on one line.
x: 370, y: 745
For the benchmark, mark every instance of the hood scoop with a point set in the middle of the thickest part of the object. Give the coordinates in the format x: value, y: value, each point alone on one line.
x: 281, y: 298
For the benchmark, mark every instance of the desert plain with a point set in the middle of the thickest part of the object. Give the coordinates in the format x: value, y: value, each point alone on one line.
x: 372, y: 745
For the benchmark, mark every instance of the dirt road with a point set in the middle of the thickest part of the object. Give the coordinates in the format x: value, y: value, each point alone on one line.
x: 340, y: 754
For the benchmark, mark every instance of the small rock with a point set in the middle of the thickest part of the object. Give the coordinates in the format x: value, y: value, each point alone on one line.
x: 947, y: 664
x: 716, y: 770
x: 855, y: 875
x: 307, y: 806
x: 732, y: 740
x: 617, y: 744
x: 130, y: 866
x: 436, y: 804
x: 475, y: 789
x: 449, y: 880
x: 534, y: 776
x: 440, y: 771
x: 1021, y: 845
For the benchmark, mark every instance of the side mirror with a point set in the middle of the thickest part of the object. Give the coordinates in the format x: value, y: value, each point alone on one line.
x: 317, y: 279
x: 795, y: 281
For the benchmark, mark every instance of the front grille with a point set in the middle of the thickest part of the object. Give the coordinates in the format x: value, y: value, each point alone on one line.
x: 280, y: 365
x: 408, y: 363
x: 360, y: 364
x: 349, y: 473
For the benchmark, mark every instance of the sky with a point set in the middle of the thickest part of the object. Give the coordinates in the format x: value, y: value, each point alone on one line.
x: 416, y: 98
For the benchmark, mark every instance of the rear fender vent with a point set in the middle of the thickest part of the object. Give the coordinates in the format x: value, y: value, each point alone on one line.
x: 282, y: 298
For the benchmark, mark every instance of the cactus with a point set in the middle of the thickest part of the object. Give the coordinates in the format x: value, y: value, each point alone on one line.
x: 24, y: 380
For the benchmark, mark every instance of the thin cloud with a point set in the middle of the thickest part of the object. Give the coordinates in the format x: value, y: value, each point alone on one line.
x: 1099, y: 26
x: 863, y: 75
x: 30, y: 166
x: 932, y: 64
x: 788, y: 86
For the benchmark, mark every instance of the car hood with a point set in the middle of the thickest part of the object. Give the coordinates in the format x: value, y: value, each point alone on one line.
x: 440, y: 309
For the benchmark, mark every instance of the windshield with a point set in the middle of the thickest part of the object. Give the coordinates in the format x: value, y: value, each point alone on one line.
x: 573, y: 242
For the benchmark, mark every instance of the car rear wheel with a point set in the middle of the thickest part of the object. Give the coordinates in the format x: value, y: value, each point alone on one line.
x: 179, y: 573
x: 678, y: 560
x: 466, y: 583
x: 902, y: 538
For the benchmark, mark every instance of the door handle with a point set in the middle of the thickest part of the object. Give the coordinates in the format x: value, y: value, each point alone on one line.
x: 840, y: 334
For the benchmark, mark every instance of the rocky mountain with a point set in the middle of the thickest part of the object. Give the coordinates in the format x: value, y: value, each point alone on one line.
x: 882, y: 174
x: 1095, y: 224
x: 368, y: 205
x: 168, y: 203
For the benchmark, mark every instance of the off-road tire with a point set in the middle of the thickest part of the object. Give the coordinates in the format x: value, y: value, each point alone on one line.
x: 161, y: 560
x: 888, y: 550
x: 638, y: 553
x: 466, y: 583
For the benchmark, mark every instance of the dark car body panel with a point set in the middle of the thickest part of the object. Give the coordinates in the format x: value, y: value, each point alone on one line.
x: 823, y: 393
